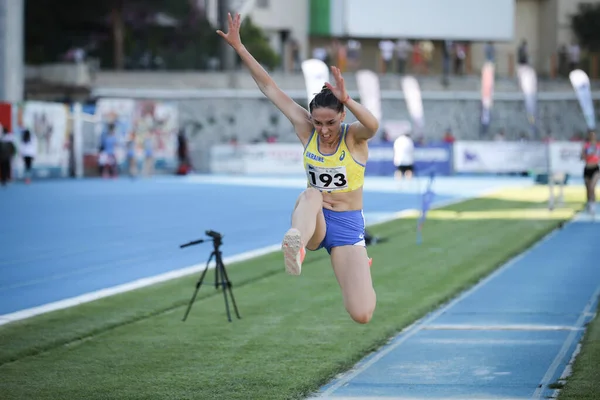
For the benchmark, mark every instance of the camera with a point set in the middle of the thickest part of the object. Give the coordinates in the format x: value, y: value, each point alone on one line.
x: 213, y: 234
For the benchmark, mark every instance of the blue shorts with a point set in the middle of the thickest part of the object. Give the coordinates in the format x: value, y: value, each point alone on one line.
x: 344, y: 228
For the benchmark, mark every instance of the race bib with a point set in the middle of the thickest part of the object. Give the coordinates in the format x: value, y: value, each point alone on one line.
x: 327, y: 178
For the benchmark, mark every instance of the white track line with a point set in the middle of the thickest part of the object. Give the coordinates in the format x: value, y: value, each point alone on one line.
x: 466, y: 327
x: 550, y: 373
x: 140, y: 283
x: 418, y: 398
x: 143, y: 282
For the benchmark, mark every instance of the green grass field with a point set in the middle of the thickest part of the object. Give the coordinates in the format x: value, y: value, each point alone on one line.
x: 584, y: 383
x: 294, y: 334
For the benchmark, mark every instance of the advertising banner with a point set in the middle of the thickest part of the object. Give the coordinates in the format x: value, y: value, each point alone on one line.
x: 257, y: 159
x: 49, y: 124
x: 565, y: 158
x: 499, y: 157
x: 431, y: 158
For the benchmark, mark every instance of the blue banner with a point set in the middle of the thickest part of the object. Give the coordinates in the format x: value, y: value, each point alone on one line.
x: 432, y: 158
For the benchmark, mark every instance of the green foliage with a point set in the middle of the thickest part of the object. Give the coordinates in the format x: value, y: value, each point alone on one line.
x: 257, y: 43
x: 53, y: 27
x: 586, y: 26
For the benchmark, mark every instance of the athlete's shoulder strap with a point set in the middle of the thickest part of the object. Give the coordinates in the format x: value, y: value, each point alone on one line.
x: 310, y: 138
x: 345, y: 128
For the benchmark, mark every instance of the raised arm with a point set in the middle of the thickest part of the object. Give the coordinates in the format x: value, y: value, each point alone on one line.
x: 298, y: 116
x: 367, y: 125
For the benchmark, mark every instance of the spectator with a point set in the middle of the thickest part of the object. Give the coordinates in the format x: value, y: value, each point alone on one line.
x: 386, y: 50
x: 523, y: 53
x: 7, y: 152
x: 28, y: 151
x: 490, y: 52
x: 404, y: 149
x: 574, y: 56
x: 403, y: 49
x: 448, y: 137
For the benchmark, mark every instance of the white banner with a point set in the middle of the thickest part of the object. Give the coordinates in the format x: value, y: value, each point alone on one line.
x: 581, y: 85
x: 566, y: 158
x: 528, y: 83
x: 369, y: 91
x: 316, y: 74
x: 256, y: 159
x: 500, y: 157
x: 49, y: 123
x: 414, y: 103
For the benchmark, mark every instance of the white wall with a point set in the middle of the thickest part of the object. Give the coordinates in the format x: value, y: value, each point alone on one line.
x: 433, y: 19
x: 284, y: 15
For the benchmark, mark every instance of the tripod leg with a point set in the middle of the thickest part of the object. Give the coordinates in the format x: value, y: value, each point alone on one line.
x: 198, y: 284
x: 228, y: 282
x: 220, y: 269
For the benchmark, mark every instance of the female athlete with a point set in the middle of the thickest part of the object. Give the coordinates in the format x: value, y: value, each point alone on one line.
x: 591, y: 172
x: 329, y: 212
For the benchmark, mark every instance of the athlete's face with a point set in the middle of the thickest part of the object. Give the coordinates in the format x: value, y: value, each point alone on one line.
x: 327, y: 123
x: 592, y: 136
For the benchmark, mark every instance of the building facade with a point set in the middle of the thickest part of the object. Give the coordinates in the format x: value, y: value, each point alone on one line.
x: 314, y: 24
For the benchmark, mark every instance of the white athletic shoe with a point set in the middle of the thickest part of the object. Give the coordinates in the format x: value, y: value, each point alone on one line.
x: 293, y: 251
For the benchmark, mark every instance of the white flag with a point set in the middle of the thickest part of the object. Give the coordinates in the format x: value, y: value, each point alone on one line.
x: 414, y: 103
x: 581, y: 84
x: 316, y: 74
x: 369, y: 91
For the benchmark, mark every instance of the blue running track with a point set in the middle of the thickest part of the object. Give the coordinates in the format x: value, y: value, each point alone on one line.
x: 62, y: 239
x: 509, y: 337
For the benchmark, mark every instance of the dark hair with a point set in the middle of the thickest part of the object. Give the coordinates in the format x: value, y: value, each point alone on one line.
x: 326, y: 99
x: 26, y: 136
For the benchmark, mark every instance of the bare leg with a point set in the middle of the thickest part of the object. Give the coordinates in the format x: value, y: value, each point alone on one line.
x: 351, y: 268
x: 308, y: 218
x: 592, y: 188
x: 588, y: 194
x: 307, y: 230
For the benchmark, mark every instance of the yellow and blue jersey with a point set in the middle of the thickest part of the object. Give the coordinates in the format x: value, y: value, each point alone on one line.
x: 338, y: 172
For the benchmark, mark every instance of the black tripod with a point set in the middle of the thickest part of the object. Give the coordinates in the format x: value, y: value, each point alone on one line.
x: 221, y: 278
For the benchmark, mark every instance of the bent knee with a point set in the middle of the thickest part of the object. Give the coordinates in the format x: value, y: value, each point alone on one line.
x: 313, y: 195
x: 364, y: 313
x: 362, y: 317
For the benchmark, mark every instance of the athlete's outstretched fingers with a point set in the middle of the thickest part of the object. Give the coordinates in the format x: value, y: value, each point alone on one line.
x: 351, y: 268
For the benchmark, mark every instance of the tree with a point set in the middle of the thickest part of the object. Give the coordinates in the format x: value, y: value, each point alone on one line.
x: 123, y: 33
x: 586, y: 26
x: 257, y: 43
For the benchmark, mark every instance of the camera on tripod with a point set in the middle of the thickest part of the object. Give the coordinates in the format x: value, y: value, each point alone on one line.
x: 221, y: 278
x: 214, y: 235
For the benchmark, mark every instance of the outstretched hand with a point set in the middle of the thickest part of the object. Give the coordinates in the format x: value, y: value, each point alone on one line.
x: 339, y: 90
x: 233, y: 32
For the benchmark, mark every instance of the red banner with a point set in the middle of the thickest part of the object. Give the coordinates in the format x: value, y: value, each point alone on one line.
x: 5, y: 116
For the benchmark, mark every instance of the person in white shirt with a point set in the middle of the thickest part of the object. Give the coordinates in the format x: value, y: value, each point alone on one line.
x: 28, y: 150
x: 404, y: 156
x: 386, y: 49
